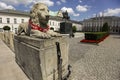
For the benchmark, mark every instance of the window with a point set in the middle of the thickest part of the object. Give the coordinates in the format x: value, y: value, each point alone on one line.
x: 8, y: 20
x: 53, y: 23
x: 15, y: 30
x: 113, y: 30
x: 15, y: 21
x: 22, y: 20
x: 50, y: 22
x: 58, y: 24
x: 0, y: 20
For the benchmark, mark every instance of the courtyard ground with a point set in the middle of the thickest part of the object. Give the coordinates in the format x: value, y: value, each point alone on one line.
x: 88, y: 61
x: 95, y: 62
x: 9, y: 70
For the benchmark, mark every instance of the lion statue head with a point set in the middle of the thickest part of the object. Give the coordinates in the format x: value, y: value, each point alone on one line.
x: 39, y: 14
x: 38, y: 23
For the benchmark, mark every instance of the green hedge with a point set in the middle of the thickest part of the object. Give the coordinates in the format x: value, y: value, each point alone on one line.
x: 6, y: 28
x: 95, y: 35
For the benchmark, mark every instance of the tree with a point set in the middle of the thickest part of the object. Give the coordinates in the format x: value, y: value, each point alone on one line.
x: 74, y: 29
x: 105, y: 27
x: 52, y: 28
x: 6, y: 28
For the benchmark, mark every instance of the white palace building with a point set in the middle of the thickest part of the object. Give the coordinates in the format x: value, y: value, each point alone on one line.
x: 96, y: 23
x: 13, y: 18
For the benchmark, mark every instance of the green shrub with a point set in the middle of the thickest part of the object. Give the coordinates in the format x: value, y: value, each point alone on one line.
x: 52, y: 28
x: 74, y: 29
x: 95, y: 35
x: 105, y: 27
x: 6, y: 28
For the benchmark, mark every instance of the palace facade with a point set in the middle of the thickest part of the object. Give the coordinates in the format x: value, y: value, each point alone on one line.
x: 13, y: 18
x: 96, y: 23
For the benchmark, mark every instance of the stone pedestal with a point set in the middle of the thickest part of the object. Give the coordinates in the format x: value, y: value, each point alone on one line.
x: 65, y: 27
x: 38, y: 57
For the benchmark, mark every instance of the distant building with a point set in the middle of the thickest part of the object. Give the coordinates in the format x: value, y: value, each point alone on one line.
x: 96, y: 23
x: 13, y: 18
x: 57, y: 17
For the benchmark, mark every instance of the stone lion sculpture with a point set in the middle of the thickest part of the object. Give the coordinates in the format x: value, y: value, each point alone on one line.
x: 37, y: 25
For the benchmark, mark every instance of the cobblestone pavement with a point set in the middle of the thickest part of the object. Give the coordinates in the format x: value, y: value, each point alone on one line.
x: 95, y: 62
x: 89, y: 61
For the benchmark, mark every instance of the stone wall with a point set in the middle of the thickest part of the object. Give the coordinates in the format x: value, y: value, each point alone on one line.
x: 38, y: 57
x: 1, y: 35
x: 7, y: 37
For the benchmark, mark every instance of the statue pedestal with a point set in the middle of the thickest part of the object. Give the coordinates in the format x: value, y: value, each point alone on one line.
x: 65, y: 27
x: 38, y: 57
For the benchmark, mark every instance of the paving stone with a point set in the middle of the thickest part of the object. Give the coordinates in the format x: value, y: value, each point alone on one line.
x: 9, y: 70
x: 92, y: 62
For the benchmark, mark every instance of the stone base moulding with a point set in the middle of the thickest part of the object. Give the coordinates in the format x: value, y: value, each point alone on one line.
x: 38, y: 57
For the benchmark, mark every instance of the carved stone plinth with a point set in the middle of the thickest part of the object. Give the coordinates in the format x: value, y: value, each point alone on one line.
x: 38, y: 57
x: 65, y: 27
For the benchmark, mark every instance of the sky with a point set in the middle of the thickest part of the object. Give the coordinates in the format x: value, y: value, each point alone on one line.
x: 77, y: 9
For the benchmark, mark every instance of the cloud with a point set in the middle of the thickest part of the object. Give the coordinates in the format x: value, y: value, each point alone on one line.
x: 16, y: 2
x: 63, y: 1
x: 70, y: 11
x: 76, y: 14
x: 94, y: 15
x: 112, y: 12
x: 47, y: 2
x: 109, y: 12
x: 80, y: 1
x: 27, y: 2
x: 82, y: 8
x: 58, y: 3
x: 5, y: 6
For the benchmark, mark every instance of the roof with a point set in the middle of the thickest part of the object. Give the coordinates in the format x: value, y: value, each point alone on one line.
x: 57, y: 18
x: 104, y: 17
x: 53, y: 15
x: 11, y: 11
x: 77, y: 22
x: 56, y: 13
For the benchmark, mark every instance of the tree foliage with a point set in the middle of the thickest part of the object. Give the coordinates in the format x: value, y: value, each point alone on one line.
x: 52, y: 28
x: 74, y: 29
x: 105, y: 27
x: 6, y: 28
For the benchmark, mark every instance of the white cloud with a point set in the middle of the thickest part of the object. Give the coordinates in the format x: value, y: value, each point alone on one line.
x: 94, y: 15
x: 5, y: 6
x: 47, y: 2
x: 63, y: 1
x: 70, y: 11
x: 75, y: 19
x: 16, y: 2
x: 100, y: 14
x: 80, y: 1
x: 109, y: 12
x: 76, y: 14
x: 82, y: 8
x: 112, y: 12
x: 27, y: 2
x: 58, y: 3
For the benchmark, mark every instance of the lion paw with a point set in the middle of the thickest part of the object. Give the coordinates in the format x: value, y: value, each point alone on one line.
x: 42, y: 35
x: 53, y: 34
